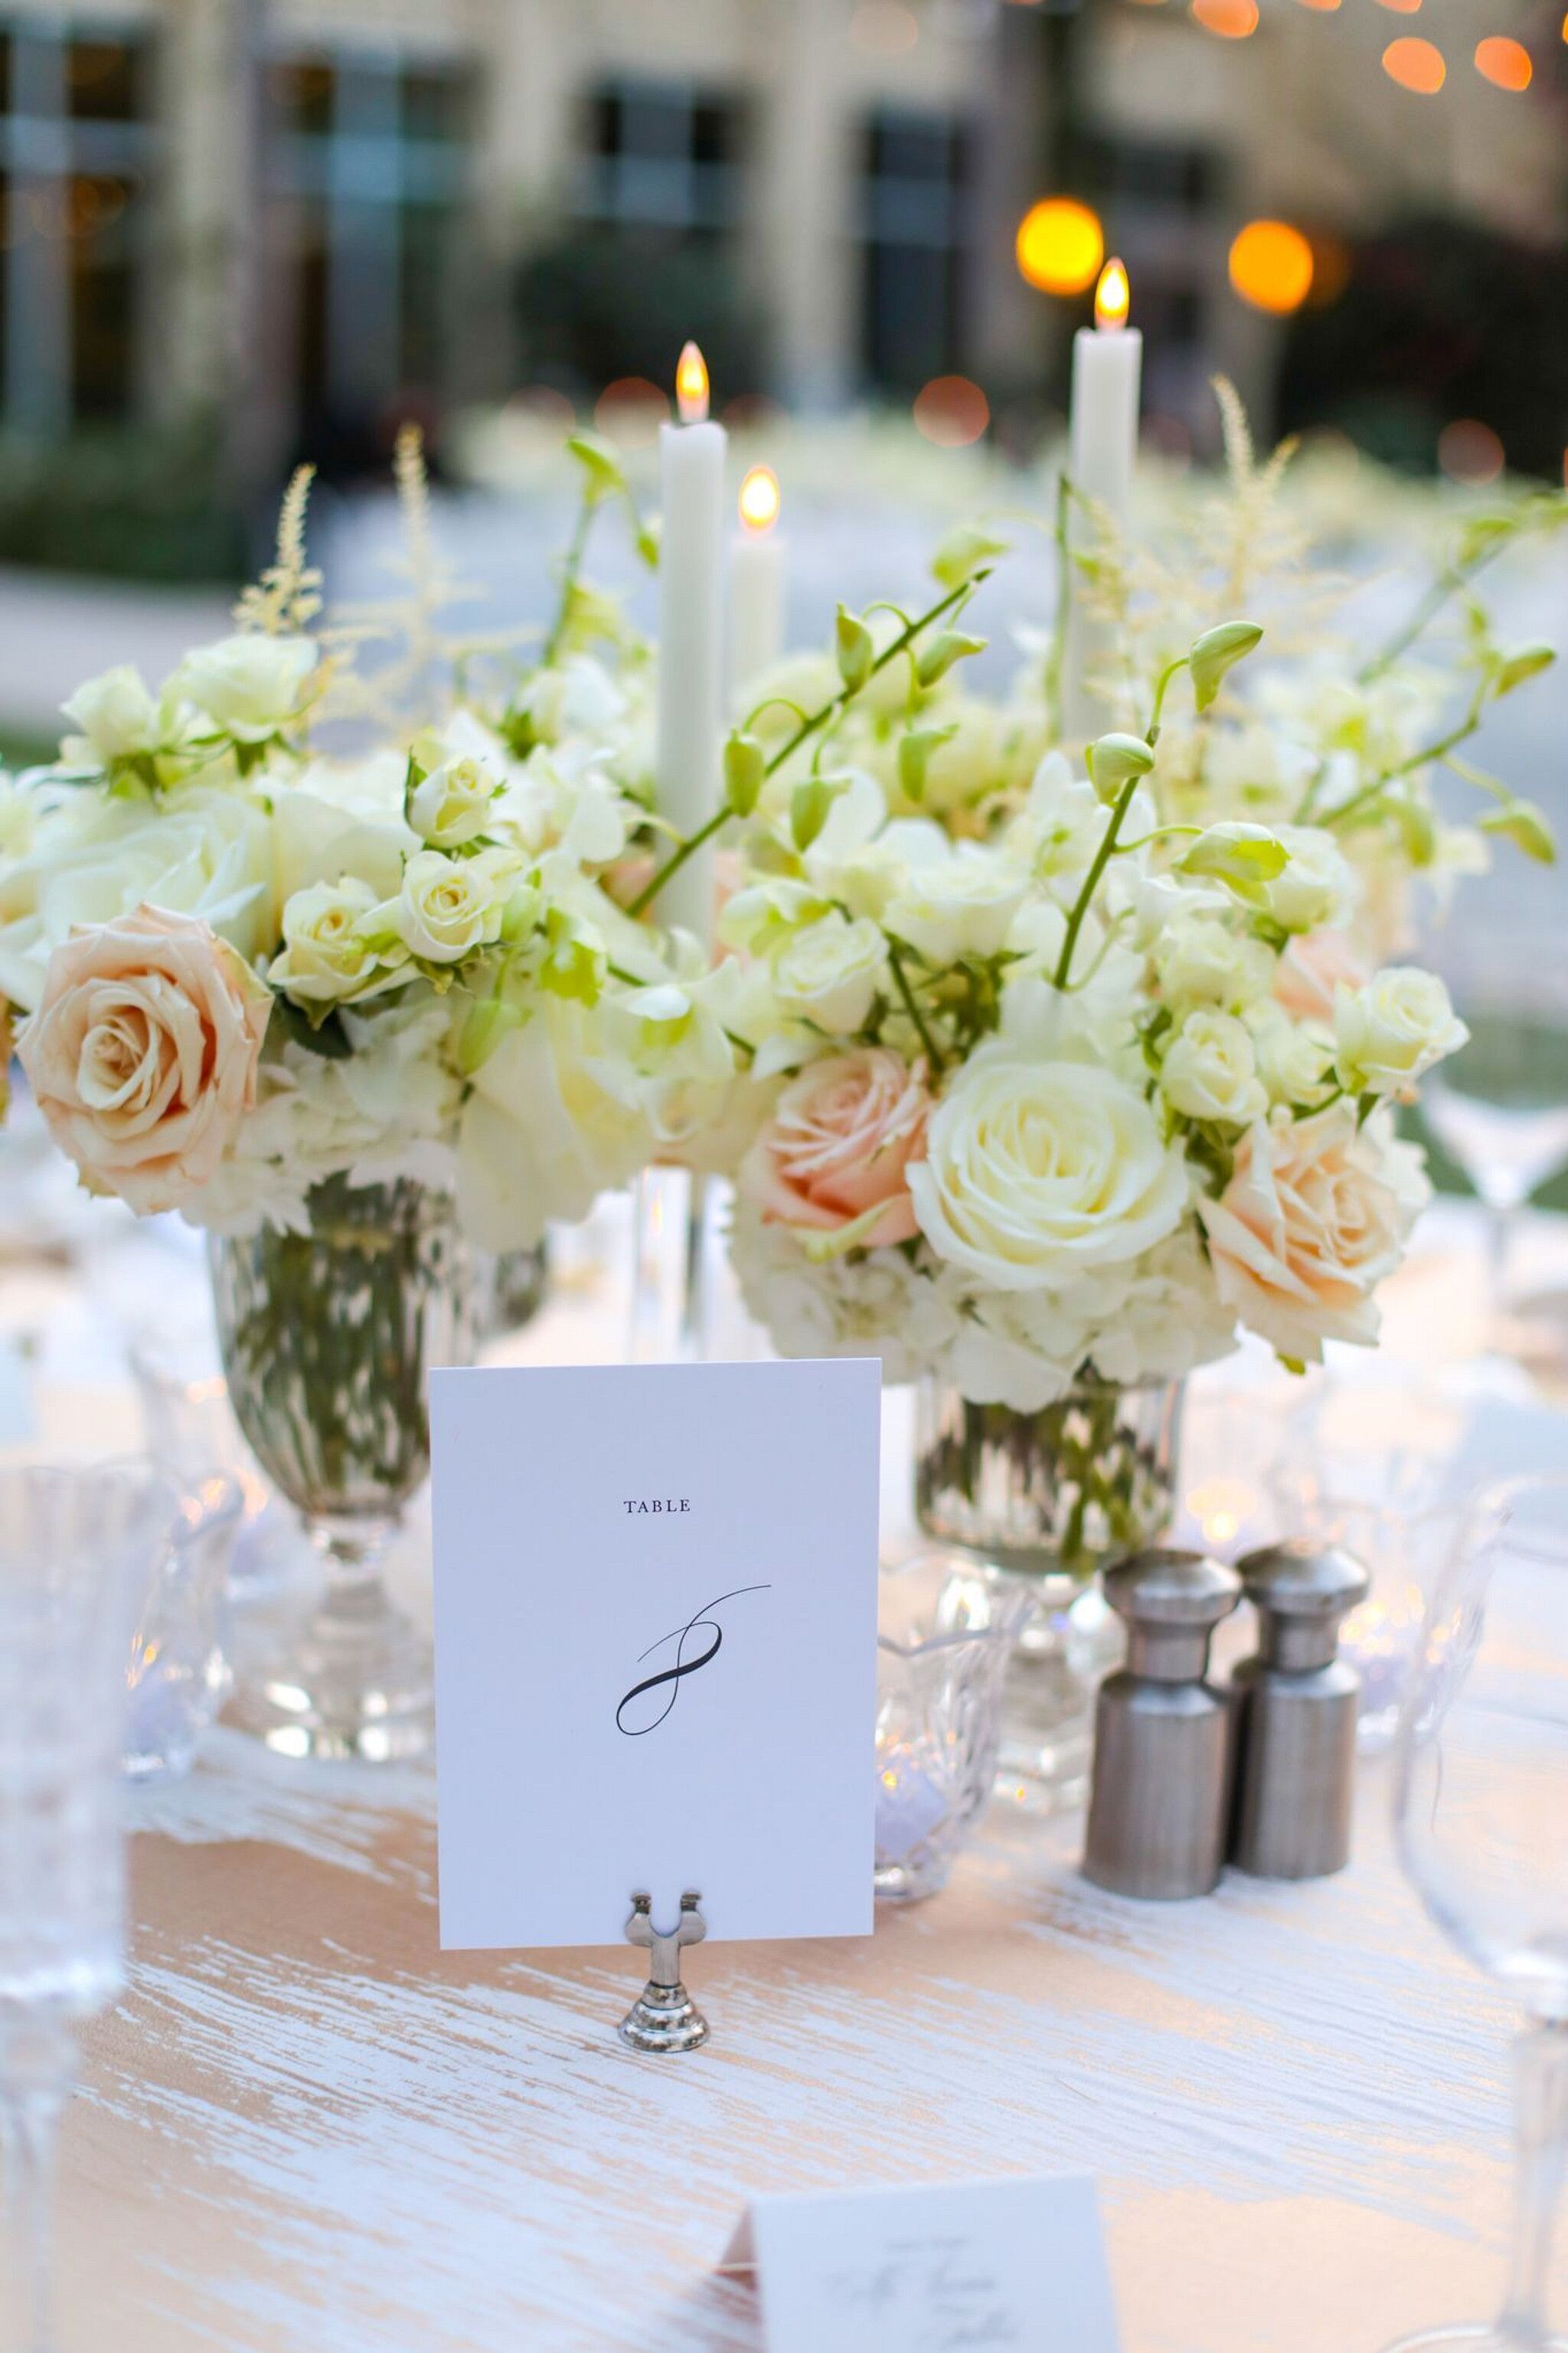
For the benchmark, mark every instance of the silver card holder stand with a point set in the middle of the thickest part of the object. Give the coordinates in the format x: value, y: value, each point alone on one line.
x: 664, y: 2017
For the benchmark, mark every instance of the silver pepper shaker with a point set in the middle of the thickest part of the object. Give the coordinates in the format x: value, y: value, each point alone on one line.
x: 1295, y: 1714
x: 1160, y: 1788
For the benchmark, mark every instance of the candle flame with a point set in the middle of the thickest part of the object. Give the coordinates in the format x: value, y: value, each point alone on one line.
x: 691, y: 386
x: 760, y: 501
x: 1112, y: 298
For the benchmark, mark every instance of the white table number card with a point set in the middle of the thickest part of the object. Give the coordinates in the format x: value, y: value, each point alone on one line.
x: 655, y: 1648
x: 1013, y: 2266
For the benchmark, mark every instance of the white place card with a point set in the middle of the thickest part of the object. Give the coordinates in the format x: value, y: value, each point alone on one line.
x: 655, y: 1648
x: 1015, y: 2266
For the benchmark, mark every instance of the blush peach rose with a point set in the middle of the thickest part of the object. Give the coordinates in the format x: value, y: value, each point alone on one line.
x: 143, y: 1054
x: 837, y: 1149
x: 1313, y: 970
x: 1316, y: 1213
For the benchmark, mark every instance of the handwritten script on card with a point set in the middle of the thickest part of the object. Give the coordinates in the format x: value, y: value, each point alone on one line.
x: 670, y: 1679
x: 655, y: 1648
x: 1013, y: 2266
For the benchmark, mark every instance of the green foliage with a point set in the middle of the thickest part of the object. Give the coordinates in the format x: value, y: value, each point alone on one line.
x: 129, y: 503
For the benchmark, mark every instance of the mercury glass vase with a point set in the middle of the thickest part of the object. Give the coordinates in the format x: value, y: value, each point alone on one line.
x: 1050, y: 1498
x: 327, y: 1338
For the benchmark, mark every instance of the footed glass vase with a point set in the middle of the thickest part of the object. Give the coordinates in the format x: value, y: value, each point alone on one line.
x: 1050, y: 1498
x: 327, y: 1338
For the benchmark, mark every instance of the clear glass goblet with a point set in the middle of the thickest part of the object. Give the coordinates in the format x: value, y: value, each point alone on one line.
x: 1481, y: 1820
x: 77, y: 1550
x: 1500, y: 1110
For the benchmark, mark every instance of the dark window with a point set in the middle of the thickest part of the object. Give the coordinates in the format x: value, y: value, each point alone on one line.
x: 912, y: 221
x: 102, y: 79
x: 73, y: 223
x: 661, y: 156
x: 369, y: 171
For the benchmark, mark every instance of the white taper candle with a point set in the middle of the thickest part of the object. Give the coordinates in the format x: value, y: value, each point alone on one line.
x: 690, y: 638
x: 757, y: 574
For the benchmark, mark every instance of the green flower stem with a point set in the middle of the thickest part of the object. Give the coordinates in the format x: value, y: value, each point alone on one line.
x: 938, y: 1061
x: 1152, y: 732
x: 1438, y: 751
x: 809, y: 726
x: 1449, y: 584
x: 1092, y: 882
x: 577, y: 548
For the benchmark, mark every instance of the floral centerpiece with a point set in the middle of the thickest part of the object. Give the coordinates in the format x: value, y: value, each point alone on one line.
x: 1066, y: 1070
x: 318, y: 943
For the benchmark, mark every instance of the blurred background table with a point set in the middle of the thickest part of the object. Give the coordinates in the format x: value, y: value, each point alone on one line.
x: 306, y: 2125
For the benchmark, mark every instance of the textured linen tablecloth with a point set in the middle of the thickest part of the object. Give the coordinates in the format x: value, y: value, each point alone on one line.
x: 306, y: 2127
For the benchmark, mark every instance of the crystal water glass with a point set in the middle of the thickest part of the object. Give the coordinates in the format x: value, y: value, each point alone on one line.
x: 1500, y: 1110
x: 1481, y: 1820
x: 945, y: 1629
x: 178, y: 1672
x: 76, y: 1548
x: 189, y: 1430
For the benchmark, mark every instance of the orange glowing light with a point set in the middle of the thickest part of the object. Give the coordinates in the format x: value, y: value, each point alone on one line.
x: 691, y: 386
x: 1060, y: 246
x: 1402, y: 8
x: 952, y: 411
x: 1326, y: 6
x: 1469, y: 451
x: 1112, y: 298
x: 630, y: 411
x: 760, y: 501
x: 1415, y: 65
x: 1232, y: 20
x: 1271, y: 266
x: 1503, y: 62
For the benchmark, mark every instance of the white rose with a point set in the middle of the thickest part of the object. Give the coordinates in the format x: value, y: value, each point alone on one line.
x: 541, y: 1134
x: 325, y: 958
x: 1316, y: 886
x: 830, y: 972
x: 95, y: 857
x: 1389, y: 1033
x: 1210, y: 1071
x: 340, y: 816
x: 1292, y: 1061
x: 117, y: 716
x: 248, y: 685
x: 1034, y: 1170
x: 1201, y: 961
x: 447, y: 907
x: 960, y: 905
x: 452, y: 804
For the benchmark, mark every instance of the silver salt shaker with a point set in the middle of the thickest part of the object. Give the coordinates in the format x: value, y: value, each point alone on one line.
x: 1159, y: 1798
x: 1295, y: 1714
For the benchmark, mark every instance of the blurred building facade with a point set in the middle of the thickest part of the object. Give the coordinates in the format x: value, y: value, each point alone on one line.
x: 300, y: 219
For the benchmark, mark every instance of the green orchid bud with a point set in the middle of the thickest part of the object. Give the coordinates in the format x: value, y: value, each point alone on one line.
x: 949, y: 646
x: 915, y: 751
x: 648, y: 542
x: 963, y: 552
x: 1529, y: 829
x: 1514, y: 669
x: 1217, y: 651
x: 1244, y: 857
x: 519, y: 918
x: 574, y: 968
x: 603, y: 477
x: 1419, y: 832
x: 856, y: 648
x: 809, y: 805
x: 745, y: 772
x: 489, y: 1020
x: 1114, y: 761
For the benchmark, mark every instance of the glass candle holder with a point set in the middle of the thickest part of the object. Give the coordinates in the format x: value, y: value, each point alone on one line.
x: 946, y: 1629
